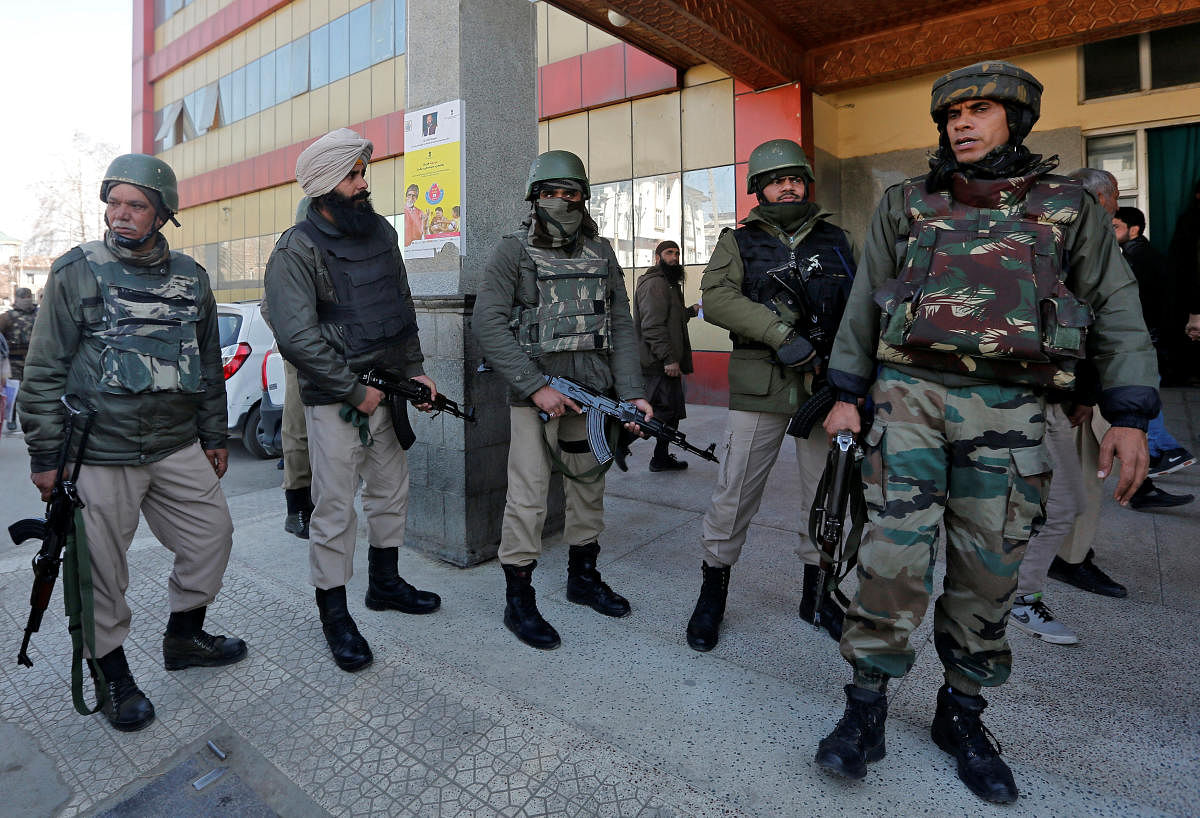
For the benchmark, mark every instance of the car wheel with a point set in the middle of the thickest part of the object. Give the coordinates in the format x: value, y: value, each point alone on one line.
x: 252, y: 436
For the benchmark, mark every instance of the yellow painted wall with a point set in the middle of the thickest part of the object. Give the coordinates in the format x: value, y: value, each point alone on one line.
x: 895, y: 115
x: 560, y: 36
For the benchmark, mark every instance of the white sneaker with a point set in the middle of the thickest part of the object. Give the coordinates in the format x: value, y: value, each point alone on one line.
x: 1030, y: 614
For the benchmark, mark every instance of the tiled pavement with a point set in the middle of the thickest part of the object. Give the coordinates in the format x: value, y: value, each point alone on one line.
x: 457, y: 718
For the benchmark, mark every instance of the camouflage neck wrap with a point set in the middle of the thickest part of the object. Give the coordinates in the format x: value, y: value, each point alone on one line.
x: 558, y: 223
x: 150, y: 252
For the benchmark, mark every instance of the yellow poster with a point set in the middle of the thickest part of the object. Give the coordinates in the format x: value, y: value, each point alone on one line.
x: 433, y: 205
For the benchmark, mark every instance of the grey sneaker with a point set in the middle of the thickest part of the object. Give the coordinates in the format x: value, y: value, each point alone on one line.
x: 1030, y: 614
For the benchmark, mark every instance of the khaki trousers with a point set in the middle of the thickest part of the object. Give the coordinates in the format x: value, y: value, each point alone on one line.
x: 1087, y: 446
x: 752, y: 441
x: 339, y: 459
x: 184, y: 506
x: 297, y: 472
x: 529, y: 469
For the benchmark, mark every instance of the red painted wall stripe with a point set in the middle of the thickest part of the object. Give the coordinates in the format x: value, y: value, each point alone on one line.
x: 207, y: 35
x: 616, y: 73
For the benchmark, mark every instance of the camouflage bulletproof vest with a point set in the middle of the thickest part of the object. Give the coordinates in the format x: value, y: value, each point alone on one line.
x: 981, y: 290
x: 149, y: 342
x: 572, y: 312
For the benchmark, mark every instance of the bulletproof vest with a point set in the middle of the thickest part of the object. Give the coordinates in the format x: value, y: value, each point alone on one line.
x: 20, y: 328
x: 149, y: 341
x: 371, y: 308
x: 572, y: 312
x: 981, y: 290
x: 808, y: 286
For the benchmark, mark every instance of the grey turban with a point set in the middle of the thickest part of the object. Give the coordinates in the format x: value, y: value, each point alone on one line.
x: 326, y: 162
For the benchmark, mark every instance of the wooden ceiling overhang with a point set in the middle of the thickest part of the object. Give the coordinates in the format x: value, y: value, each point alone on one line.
x: 832, y: 45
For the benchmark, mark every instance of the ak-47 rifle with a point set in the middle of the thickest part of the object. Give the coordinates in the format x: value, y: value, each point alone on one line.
x: 600, y: 407
x: 827, y: 522
x: 415, y: 392
x: 55, y: 527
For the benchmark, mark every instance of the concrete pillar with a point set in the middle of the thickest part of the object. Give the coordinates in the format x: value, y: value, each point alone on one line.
x: 482, y: 52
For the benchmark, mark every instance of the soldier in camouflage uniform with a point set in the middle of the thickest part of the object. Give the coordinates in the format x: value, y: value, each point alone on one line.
x: 553, y: 302
x: 979, y: 288
x: 16, y: 325
x: 131, y: 327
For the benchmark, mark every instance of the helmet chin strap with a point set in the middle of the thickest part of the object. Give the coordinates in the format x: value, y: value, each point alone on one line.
x: 128, y: 243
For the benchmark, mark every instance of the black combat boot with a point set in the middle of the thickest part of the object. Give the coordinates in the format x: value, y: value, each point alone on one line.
x: 387, y: 589
x: 299, y: 511
x: 521, y: 615
x: 858, y: 737
x: 350, y: 650
x: 185, y: 644
x: 958, y: 729
x: 584, y: 586
x: 125, y: 706
x: 831, y: 613
x: 704, y: 627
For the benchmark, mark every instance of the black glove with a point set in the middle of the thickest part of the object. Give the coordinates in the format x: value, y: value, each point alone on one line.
x: 797, y: 353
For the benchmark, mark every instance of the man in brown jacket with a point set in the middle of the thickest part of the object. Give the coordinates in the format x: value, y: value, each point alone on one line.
x: 665, y: 350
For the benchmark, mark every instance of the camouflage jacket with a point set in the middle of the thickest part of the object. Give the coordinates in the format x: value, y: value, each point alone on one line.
x: 510, y: 286
x: 143, y: 415
x: 1082, y: 245
x: 16, y: 325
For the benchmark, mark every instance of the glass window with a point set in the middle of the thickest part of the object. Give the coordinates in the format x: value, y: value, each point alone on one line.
x: 1116, y: 154
x: 225, y: 100
x: 229, y: 324
x: 339, y: 48
x: 283, y: 73
x: 383, y: 38
x: 1173, y: 56
x: 360, y: 38
x: 401, y: 25
x: 709, y: 206
x: 611, y: 206
x: 1111, y: 67
x: 238, y: 108
x: 318, y: 57
x: 657, y: 214
x: 266, y: 81
x: 299, y: 58
x: 206, y: 109
x: 253, y: 88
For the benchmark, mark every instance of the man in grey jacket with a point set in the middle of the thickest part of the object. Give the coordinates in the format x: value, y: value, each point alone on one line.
x: 341, y: 305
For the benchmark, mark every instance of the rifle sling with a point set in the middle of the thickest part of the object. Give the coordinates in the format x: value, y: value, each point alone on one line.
x: 593, y: 474
x: 840, y: 565
x: 78, y: 598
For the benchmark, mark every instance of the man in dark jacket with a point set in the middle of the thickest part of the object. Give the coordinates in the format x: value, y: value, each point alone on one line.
x: 955, y: 328
x: 131, y: 327
x: 660, y: 318
x: 778, y: 284
x: 16, y: 325
x: 340, y: 305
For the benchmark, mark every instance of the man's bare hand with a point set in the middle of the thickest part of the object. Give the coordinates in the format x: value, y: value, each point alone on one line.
x: 1129, y: 446
x: 553, y: 403
x: 370, y: 402
x: 646, y: 409
x: 1193, y: 327
x: 428, y: 381
x: 672, y: 370
x: 44, y: 480
x: 1079, y: 415
x: 842, y: 416
x: 219, y: 458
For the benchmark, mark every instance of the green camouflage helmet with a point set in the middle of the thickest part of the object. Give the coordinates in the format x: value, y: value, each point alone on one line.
x: 777, y: 154
x: 143, y: 171
x: 1000, y: 81
x: 557, y: 165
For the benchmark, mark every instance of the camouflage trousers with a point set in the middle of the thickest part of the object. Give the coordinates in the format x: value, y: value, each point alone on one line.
x: 971, y: 459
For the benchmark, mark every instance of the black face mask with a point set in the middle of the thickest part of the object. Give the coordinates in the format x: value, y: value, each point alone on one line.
x: 353, y: 215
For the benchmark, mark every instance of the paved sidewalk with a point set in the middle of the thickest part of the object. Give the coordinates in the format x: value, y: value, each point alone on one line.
x: 455, y: 717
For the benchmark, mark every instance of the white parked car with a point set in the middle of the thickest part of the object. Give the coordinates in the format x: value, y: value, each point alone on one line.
x: 245, y: 339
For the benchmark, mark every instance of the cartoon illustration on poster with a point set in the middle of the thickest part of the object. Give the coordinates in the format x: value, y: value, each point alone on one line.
x: 433, y: 205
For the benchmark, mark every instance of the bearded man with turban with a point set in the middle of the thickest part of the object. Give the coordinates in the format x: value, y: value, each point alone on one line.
x: 340, y: 305
x: 980, y: 287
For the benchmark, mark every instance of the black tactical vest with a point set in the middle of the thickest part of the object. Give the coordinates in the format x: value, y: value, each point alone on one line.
x: 820, y: 270
x: 371, y: 306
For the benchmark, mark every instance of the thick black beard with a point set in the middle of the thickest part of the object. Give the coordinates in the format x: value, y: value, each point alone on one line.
x: 673, y: 272
x: 353, y: 215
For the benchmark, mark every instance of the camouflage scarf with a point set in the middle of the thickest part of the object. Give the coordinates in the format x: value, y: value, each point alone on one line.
x: 154, y: 252
x: 558, y: 223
